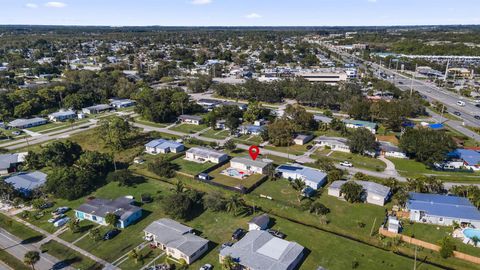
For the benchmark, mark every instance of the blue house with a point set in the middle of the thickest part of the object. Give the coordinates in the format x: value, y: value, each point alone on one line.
x: 25, y: 183
x: 470, y: 158
x: 97, y: 209
x: 163, y: 146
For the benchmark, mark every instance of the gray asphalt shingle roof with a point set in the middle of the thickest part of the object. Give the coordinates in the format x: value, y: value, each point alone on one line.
x: 27, y: 181
x: 122, y: 207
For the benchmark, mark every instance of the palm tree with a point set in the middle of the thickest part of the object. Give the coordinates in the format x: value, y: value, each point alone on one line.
x: 31, y: 258
x: 179, y: 187
x: 134, y: 255
x: 235, y: 204
x: 298, y: 185
x: 228, y: 263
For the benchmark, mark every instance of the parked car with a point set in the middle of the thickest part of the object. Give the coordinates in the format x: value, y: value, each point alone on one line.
x: 238, y: 234
x: 61, y: 222
x: 457, y: 113
x: 224, y: 245
x: 206, y: 267
x: 111, y: 234
x: 16, y: 133
x: 55, y: 218
x: 461, y: 103
x: 46, y: 205
x: 276, y: 233
x: 477, y: 117
x: 477, y: 105
x: 61, y: 210
x: 346, y: 164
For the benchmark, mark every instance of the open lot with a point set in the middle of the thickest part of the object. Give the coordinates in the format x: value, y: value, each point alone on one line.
x: 216, y: 134
x: 249, y: 139
x: 359, y: 161
x: 220, y: 178
x: 69, y: 257
x: 292, y: 149
x: 149, y: 123
x: 188, y: 128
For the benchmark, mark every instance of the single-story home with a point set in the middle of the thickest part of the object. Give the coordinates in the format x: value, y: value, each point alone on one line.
x: 122, y: 103
x: 241, y: 106
x: 251, y: 130
x: 163, y: 146
x: 313, y: 178
x: 322, y: 118
x: 350, y: 123
x: 470, y: 158
x: 25, y: 183
x: 372, y: 192
x: 208, y: 103
x: 202, y: 154
x: 10, y: 162
x: 250, y: 165
x: 334, y: 143
x: 190, y: 119
x: 27, y: 123
x: 259, y: 222
x: 97, y: 209
x: 97, y: 109
x: 388, y: 149
x: 260, y: 122
x: 442, y: 209
x: 221, y: 124
x: 302, y: 139
x: 177, y: 240
x: 62, y: 116
x: 259, y: 250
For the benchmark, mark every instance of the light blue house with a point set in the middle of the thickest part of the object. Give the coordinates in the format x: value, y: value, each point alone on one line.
x: 25, y: 183
x: 371, y: 126
x: 97, y: 209
x: 161, y: 146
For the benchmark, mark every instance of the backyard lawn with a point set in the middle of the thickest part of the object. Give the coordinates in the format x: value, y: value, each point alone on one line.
x: 188, y: 128
x: 231, y: 181
x: 69, y: 256
x: 190, y: 167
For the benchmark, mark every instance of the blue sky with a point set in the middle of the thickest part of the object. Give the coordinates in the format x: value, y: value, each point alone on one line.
x: 240, y: 12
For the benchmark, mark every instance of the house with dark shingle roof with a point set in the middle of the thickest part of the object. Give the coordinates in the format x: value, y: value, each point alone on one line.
x: 97, y: 209
x: 177, y: 240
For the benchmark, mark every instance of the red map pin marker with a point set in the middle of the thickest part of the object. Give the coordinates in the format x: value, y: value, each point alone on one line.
x: 254, y: 151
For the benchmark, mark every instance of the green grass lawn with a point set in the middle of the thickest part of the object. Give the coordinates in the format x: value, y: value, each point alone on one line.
x: 188, y: 128
x: 434, y: 234
x: 359, y: 161
x: 85, y: 226
x: 191, y: 167
x: 18, y: 229
x: 231, y: 181
x: 70, y: 256
x: 148, y: 255
x: 412, y: 168
x: 12, y: 261
x: 216, y: 134
x: 49, y: 126
x: 249, y: 139
x: 140, y: 120
x: 292, y: 149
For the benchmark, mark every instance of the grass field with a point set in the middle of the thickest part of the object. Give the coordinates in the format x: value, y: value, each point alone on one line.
x: 359, y: 161
x: 188, y: 128
x: 18, y: 229
x: 12, y: 261
x: 147, y: 254
x: 216, y: 134
x: 69, y: 256
x: 140, y: 120
x: 292, y: 150
x: 231, y: 181
x: 191, y: 167
x: 249, y: 139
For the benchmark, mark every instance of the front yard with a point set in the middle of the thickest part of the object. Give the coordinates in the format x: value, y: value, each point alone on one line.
x: 359, y: 161
x: 188, y: 128
x: 190, y: 167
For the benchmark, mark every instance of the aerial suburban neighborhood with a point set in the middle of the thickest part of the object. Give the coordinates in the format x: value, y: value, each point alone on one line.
x: 258, y: 135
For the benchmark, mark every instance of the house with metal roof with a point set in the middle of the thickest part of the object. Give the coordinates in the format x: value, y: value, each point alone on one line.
x: 161, y: 146
x: 350, y: 123
x: 62, y: 116
x: 313, y: 178
x: 177, y: 240
x: 190, y: 119
x: 388, y: 149
x: 122, y: 103
x: 259, y: 222
x: 27, y: 123
x: 250, y: 165
x: 470, y: 158
x: 259, y: 250
x: 97, y: 109
x: 202, y: 155
x: 302, y: 139
x: 25, y: 183
x: 251, y: 130
x: 97, y: 209
x: 10, y: 162
x: 322, y: 118
x: 442, y: 209
x: 372, y: 192
x: 334, y: 143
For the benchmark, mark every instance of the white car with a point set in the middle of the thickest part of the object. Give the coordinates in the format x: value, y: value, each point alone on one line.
x: 346, y: 164
x: 461, y: 103
x: 206, y: 267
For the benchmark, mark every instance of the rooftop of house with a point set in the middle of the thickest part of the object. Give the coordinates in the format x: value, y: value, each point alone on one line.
x: 99, y: 107
x: 360, y: 123
x: 443, y: 206
x: 122, y: 207
x: 27, y: 181
x: 250, y: 162
x: 205, y: 152
x: 62, y: 113
x: 261, y: 220
x: 332, y: 140
x: 24, y: 122
x: 176, y: 235
x: 307, y: 173
x: 369, y: 187
x: 190, y: 117
x: 6, y: 160
x: 163, y: 144
x: 471, y: 157
x: 261, y: 250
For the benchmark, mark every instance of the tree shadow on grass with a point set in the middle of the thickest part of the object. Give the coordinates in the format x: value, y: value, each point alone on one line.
x: 31, y: 240
x: 65, y: 263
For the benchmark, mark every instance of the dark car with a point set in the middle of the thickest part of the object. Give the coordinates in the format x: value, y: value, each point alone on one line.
x: 238, y: 234
x: 46, y: 205
x: 477, y: 117
x: 477, y: 105
x: 224, y: 245
x: 276, y: 233
x: 457, y: 113
x: 111, y: 234
x: 400, y: 82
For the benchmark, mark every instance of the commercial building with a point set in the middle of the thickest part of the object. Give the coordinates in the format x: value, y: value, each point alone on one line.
x: 324, y: 77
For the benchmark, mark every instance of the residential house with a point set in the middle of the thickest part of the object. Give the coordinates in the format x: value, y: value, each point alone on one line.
x: 100, y: 108
x: 259, y: 250
x: 334, y: 143
x: 259, y: 222
x: 372, y: 192
x: 470, y: 159
x: 202, y: 154
x: 388, y: 149
x: 251, y: 130
x: 250, y: 165
x: 241, y: 106
x: 25, y: 183
x: 302, y: 139
x: 61, y: 116
x: 177, y: 240
x: 221, y: 124
x: 350, y: 123
x: 190, y: 119
x: 122, y: 103
x: 442, y: 209
x: 208, y: 104
x: 97, y: 209
x: 313, y: 178
x: 322, y: 118
x: 10, y: 162
x: 27, y: 123
x: 161, y: 146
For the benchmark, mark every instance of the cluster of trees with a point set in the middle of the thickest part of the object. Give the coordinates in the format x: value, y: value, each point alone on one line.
x: 200, y: 84
x: 230, y: 113
x: 163, y: 105
x: 426, y: 145
x: 74, y: 173
x: 471, y: 192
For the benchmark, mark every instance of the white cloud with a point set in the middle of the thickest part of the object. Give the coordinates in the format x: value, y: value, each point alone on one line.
x: 201, y: 2
x: 31, y: 5
x: 372, y: 1
x: 55, y: 4
x: 253, y: 16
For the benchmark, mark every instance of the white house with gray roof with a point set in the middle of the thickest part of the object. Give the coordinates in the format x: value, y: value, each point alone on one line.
x: 372, y: 192
x: 161, y: 146
x: 259, y: 250
x: 190, y: 119
x: 27, y: 123
x: 97, y: 109
x: 313, y: 178
x: 25, y: 183
x: 202, y: 155
x: 334, y: 143
x: 250, y: 165
x: 177, y: 240
x: 62, y: 116
x: 10, y: 162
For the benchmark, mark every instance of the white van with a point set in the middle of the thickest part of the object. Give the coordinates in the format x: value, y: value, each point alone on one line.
x: 461, y: 103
